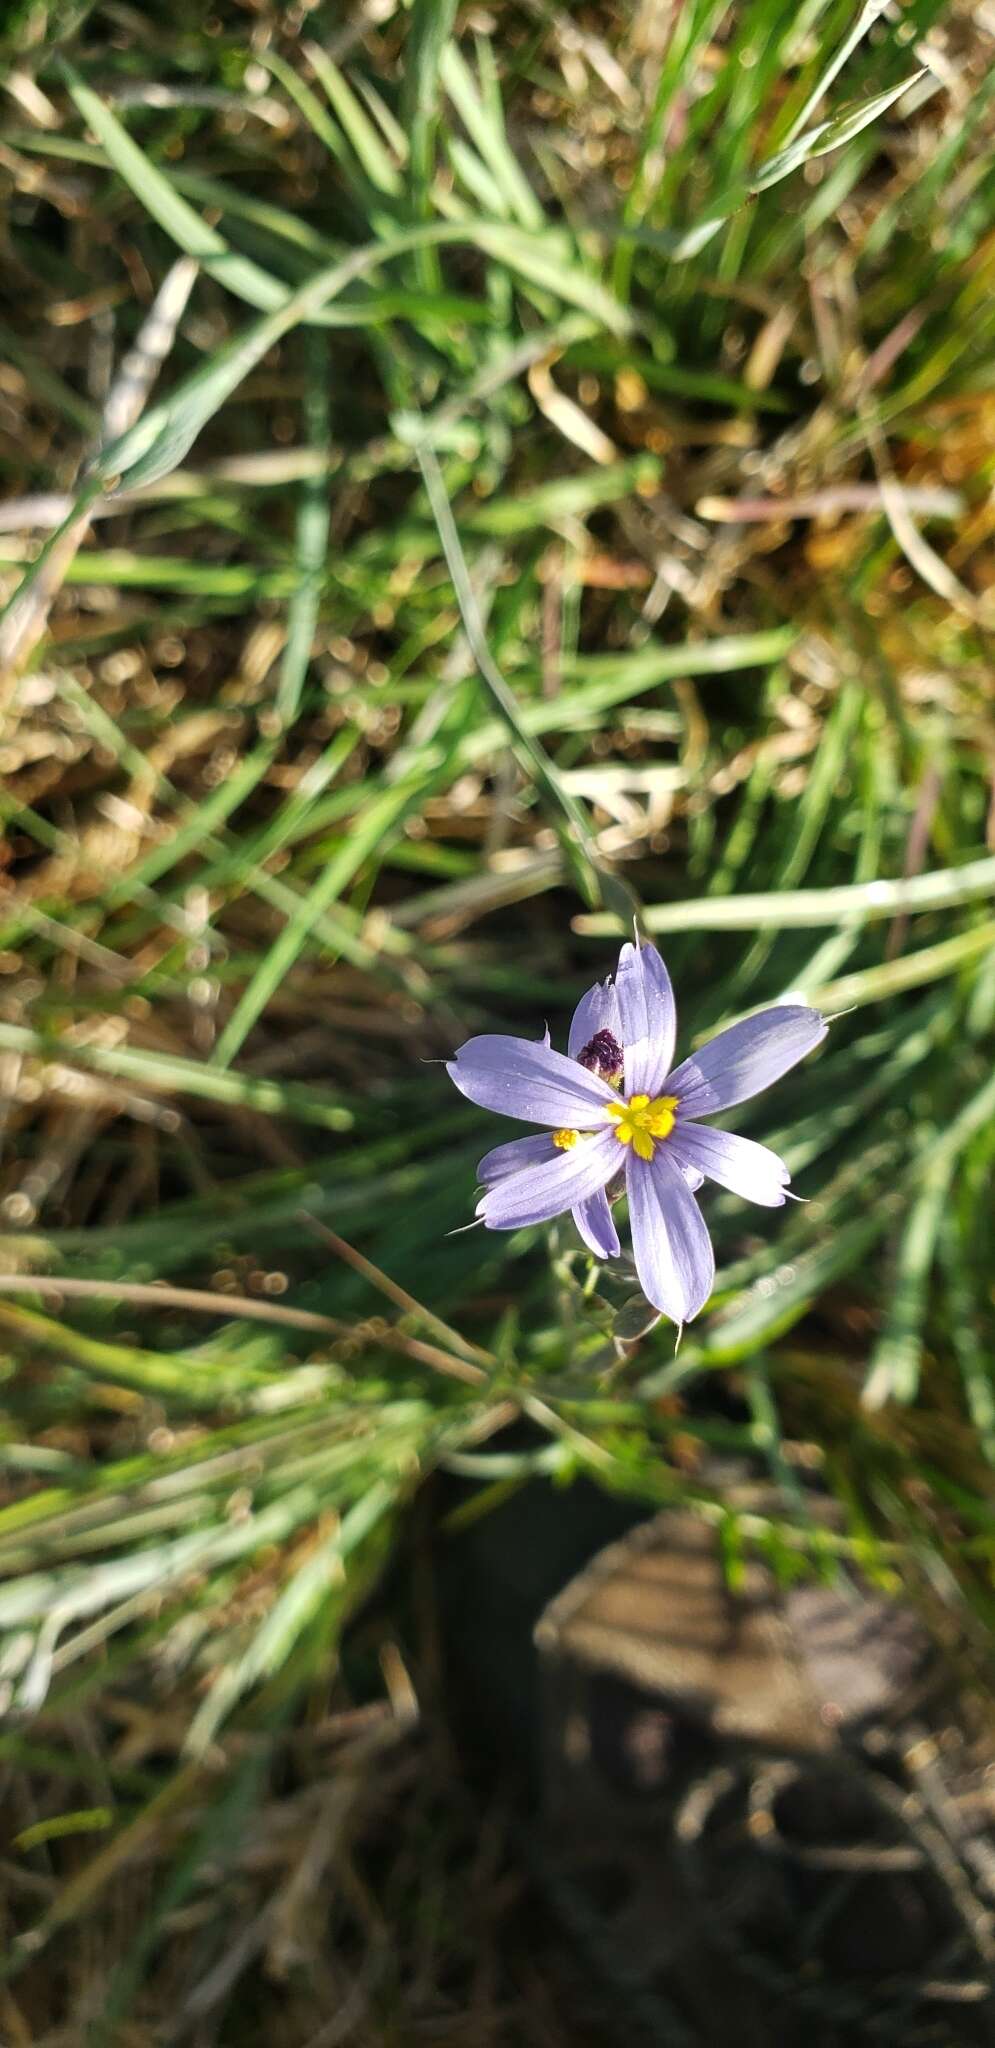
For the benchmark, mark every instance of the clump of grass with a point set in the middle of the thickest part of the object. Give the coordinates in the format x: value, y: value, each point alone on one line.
x: 467, y: 477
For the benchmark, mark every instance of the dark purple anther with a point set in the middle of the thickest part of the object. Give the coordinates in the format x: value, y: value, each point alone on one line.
x: 603, y: 1056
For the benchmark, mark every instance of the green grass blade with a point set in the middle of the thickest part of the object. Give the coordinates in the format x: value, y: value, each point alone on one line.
x: 486, y: 131
x: 375, y: 160
x: 378, y: 819
x: 159, y: 196
x: 162, y: 1071
x: 311, y: 545
x: 848, y: 903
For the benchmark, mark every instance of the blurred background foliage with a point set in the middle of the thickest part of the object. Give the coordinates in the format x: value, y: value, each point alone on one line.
x: 469, y: 473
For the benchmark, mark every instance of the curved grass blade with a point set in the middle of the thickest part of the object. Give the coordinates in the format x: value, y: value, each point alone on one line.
x: 827, y: 136
x: 158, y: 195
x: 577, y: 839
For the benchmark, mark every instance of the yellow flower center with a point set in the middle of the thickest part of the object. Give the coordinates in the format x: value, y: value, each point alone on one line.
x: 564, y: 1139
x: 642, y: 1123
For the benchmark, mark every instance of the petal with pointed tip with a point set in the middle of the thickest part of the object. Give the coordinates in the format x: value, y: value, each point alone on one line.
x: 673, y: 1251
x: 512, y: 1157
x: 746, y: 1058
x: 595, y: 1223
x: 538, y: 1193
x: 745, y: 1168
x: 523, y: 1077
x: 648, y: 1017
x: 597, y: 1011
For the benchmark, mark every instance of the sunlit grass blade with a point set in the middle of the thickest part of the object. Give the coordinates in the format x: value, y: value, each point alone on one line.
x: 380, y: 817
x: 566, y: 812
x: 431, y: 24
x: 895, y: 1370
x: 159, y: 196
x: 854, y: 903
x: 158, y: 1071
x: 307, y: 1592
x: 486, y: 131
x: 311, y: 540
x: 374, y: 158
x: 829, y: 135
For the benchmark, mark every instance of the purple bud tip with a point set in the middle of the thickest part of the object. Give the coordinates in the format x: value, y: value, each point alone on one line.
x: 603, y: 1056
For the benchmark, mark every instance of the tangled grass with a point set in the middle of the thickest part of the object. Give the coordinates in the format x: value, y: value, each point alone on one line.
x: 468, y: 476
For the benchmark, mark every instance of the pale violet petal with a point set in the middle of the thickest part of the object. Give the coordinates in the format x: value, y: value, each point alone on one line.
x: 746, y: 1058
x: 512, y: 1157
x: 538, y: 1193
x: 597, y: 1011
x: 648, y: 1018
x: 738, y: 1164
x: 523, y: 1077
x: 596, y: 1225
x: 673, y: 1251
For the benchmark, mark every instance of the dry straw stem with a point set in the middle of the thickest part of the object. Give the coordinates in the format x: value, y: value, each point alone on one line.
x: 394, y: 1293
x: 46, y: 1335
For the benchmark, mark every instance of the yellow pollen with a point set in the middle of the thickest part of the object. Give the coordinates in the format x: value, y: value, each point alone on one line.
x: 563, y: 1140
x: 642, y: 1123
